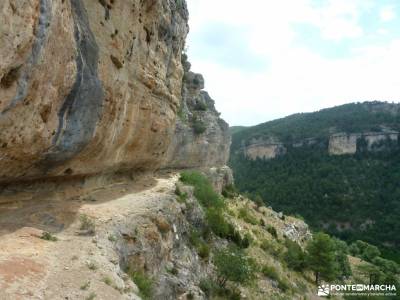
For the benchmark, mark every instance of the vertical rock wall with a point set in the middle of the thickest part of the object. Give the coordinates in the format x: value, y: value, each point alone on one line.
x: 201, y: 138
x: 88, y: 86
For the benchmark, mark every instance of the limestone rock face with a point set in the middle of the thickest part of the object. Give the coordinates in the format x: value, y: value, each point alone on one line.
x: 201, y: 138
x: 376, y: 141
x: 88, y: 86
x: 343, y: 143
x: 264, y: 151
x: 264, y: 148
x: 220, y: 177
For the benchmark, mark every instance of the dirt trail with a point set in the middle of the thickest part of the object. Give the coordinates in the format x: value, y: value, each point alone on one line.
x: 75, y: 266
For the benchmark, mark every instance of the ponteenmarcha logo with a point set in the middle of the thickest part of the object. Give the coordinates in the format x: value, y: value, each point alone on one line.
x: 325, y: 290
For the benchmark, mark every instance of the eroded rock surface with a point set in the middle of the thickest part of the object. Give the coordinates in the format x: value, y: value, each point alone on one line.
x: 201, y: 138
x: 342, y: 143
x: 88, y: 86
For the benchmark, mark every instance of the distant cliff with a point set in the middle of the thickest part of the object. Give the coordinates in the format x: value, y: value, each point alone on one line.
x: 343, y: 143
x: 335, y: 144
x: 347, y: 129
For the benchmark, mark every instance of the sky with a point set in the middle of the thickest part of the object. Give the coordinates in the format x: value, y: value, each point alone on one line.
x: 266, y: 59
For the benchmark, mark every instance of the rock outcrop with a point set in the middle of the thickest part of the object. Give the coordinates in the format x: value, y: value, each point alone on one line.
x: 88, y: 86
x: 264, y: 151
x: 343, y: 143
x: 201, y: 138
x: 336, y: 144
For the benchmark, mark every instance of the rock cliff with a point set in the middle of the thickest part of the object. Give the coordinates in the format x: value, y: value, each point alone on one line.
x: 201, y: 138
x: 343, y: 143
x: 88, y: 86
x: 264, y: 149
x: 95, y: 95
x: 336, y: 144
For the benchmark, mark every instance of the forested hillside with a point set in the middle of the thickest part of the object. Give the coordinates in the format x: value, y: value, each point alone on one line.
x: 353, y: 117
x: 351, y: 196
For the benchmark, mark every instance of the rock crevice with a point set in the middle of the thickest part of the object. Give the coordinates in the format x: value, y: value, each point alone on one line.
x: 81, y: 109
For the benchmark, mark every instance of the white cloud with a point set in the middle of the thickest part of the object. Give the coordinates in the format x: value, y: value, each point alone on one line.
x: 387, y: 14
x: 297, y: 78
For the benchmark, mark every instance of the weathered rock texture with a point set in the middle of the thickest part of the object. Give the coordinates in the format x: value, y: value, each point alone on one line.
x: 336, y: 144
x: 202, y: 138
x: 263, y: 148
x: 88, y: 86
x: 343, y: 143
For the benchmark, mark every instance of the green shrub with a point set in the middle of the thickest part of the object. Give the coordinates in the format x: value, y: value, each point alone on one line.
x: 341, y: 251
x: 144, y: 283
x: 284, y: 285
x: 212, y: 290
x: 233, y: 265
x: 48, y: 236
x: 364, y: 250
x: 272, y: 230
x: 112, y: 238
x: 229, y: 191
x: 202, y: 248
x: 208, y: 286
x: 217, y: 223
x: 246, y: 241
x: 91, y: 296
x: 201, y: 106
x: 173, y: 271
x: 107, y: 280
x: 229, y: 293
x: 241, y: 242
x: 321, y: 257
x: 199, y: 127
x: 180, y: 4
x: 92, y: 266
x: 247, y: 216
x: 182, y: 197
x: 258, y: 200
x: 203, y: 190
x: 295, y: 257
x: 272, y: 248
x: 87, y: 224
x: 85, y: 286
x: 270, y: 272
x: 387, y: 266
x: 181, y: 114
x: 194, y: 237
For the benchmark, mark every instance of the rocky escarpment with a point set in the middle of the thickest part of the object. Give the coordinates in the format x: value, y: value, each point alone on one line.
x: 343, y: 143
x: 201, y: 137
x: 88, y: 86
x: 335, y: 144
x: 264, y: 149
x: 369, y: 126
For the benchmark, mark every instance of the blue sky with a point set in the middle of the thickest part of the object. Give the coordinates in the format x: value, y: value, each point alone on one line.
x: 265, y: 59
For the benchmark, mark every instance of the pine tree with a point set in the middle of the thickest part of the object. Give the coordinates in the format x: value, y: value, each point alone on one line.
x: 321, y: 257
